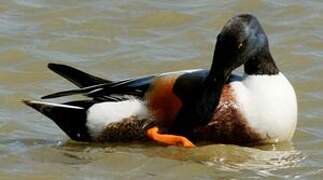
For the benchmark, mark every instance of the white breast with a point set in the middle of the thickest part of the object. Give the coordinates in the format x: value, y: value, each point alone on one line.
x: 269, y: 104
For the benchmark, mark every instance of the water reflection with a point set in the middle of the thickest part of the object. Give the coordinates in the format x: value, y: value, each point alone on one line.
x: 148, y: 158
x: 263, y: 160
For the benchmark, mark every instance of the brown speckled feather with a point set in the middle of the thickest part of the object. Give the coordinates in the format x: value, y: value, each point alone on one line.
x: 227, y: 125
x: 126, y: 130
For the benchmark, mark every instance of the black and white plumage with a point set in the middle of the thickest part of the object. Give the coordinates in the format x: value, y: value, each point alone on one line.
x: 206, y: 105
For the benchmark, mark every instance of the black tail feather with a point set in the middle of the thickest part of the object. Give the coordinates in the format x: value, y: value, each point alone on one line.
x: 83, y: 90
x: 77, y: 77
x: 133, y: 87
x: 71, y: 119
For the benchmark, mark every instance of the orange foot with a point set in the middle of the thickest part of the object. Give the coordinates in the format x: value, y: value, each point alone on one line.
x: 168, y: 139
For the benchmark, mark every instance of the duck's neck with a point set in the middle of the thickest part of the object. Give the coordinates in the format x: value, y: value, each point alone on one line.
x: 199, y: 110
x: 211, y: 92
x: 261, y: 64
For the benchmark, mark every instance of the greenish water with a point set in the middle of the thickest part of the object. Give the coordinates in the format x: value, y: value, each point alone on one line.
x: 121, y: 39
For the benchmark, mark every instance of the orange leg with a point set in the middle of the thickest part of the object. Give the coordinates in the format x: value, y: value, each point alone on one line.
x: 168, y: 139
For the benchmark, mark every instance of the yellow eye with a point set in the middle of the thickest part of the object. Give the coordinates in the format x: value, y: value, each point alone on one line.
x: 240, y: 45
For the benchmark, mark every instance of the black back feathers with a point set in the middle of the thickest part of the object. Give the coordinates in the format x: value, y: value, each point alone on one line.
x: 77, y: 77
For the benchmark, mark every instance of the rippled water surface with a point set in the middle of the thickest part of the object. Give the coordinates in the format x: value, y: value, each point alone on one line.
x: 121, y: 39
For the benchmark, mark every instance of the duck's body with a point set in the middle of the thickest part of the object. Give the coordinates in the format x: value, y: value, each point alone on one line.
x: 252, y: 109
x: 203, y: 105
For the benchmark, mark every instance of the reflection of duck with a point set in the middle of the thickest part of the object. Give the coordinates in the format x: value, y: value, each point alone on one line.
x: 206, y: 105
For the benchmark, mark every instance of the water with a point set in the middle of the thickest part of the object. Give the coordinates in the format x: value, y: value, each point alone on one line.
x: 121, y: 39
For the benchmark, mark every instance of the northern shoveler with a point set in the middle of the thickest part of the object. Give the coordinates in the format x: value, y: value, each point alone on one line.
x: 201, y: 105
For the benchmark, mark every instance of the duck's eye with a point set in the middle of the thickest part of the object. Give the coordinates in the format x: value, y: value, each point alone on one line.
x: 240, y: 46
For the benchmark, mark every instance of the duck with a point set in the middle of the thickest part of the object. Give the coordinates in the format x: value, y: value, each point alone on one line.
x: 182, y: 107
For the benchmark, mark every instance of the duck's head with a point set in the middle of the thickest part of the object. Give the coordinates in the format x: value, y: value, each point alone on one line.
x: 241, y: 39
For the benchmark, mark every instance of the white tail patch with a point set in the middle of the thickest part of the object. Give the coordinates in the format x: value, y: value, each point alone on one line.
x: 101, y: 114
